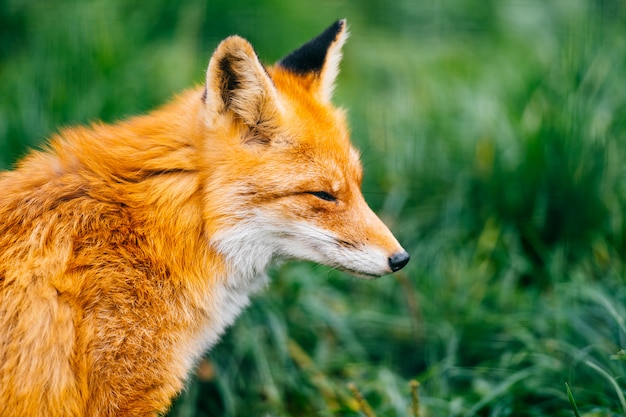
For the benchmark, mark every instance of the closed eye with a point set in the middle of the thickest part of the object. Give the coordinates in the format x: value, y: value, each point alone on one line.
x: 323, y: 195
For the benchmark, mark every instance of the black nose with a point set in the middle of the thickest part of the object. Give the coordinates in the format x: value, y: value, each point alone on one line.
x: 398, y: 260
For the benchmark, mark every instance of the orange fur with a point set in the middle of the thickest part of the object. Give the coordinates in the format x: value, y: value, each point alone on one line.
x: 127, y: 249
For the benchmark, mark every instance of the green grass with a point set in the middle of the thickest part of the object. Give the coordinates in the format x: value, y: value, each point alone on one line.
x: 493, y: 139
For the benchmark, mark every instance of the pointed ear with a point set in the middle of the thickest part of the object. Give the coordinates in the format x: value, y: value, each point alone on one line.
x: 319, y: 58
x: 237, y: 82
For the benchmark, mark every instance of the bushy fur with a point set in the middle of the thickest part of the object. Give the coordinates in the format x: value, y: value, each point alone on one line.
x: 127, y: 249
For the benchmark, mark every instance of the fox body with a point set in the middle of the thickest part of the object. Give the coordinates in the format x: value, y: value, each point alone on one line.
x: 127, y: 249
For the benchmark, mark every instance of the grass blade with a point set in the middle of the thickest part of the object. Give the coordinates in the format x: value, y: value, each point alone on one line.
x: 572, y: 402
x: 609, y: 378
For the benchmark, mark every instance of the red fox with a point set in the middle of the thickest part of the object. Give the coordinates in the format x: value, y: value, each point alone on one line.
x: 127, y: 249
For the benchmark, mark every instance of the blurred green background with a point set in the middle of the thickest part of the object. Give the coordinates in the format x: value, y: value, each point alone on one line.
x: 494, y: 145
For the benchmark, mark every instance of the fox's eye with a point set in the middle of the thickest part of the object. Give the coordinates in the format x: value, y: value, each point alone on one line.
x: 323, y: 195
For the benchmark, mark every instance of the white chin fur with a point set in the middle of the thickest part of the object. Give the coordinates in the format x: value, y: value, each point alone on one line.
x: 253, y: 244
x: 321, y: 246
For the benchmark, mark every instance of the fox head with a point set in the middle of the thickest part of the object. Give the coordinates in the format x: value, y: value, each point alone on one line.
x: 283, y: 180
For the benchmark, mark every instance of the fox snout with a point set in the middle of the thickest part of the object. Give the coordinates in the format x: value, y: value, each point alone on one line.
x: 370, y: 229
x: 380, y: 237
x: 357, y: 242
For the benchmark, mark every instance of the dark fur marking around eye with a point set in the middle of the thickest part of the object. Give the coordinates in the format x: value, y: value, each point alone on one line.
x: 323, y: 195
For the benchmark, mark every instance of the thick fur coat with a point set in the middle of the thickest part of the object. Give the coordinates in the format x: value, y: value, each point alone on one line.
x: 127, y: 249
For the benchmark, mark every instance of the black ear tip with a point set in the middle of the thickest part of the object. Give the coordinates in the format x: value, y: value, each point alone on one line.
x: 311, y: 56
x: 339, y: 24
x: 336, y: 28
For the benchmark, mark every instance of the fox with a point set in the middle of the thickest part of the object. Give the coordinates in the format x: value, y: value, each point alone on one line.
x: 127, y: 249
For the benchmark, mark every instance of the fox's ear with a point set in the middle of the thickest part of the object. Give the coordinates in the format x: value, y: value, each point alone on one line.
x: 237, y: 82
x: 319, y: 59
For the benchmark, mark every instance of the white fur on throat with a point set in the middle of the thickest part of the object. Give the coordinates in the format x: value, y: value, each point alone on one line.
x: 250, y: 247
